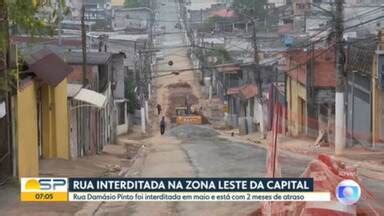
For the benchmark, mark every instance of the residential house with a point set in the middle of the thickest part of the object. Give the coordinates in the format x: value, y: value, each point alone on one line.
x: 256, y: 91
x: 41, y: 121
x: 198, y: 13
x: 228, y: 21
x: 318, y: 20
x: 277, y: 3
x: 130, y: 45
x: 301, y: 7
x: 91, y: 108
x: 135, y: 20
x: 226, y: 80
x: 245, y: 95
x: 310, y: 91
x: 100, y: 12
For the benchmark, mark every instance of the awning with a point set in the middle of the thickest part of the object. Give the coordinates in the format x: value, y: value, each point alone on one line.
x: 121, y: 100
x: 73, y: 89
x: 245, y: 91
x: 228, y: 68
x: 91, y: 97
x: 232, y: 91
x: 248, y: 91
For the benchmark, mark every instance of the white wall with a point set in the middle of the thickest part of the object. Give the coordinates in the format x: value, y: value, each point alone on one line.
x: 277, y: 3
x: 123, y: 128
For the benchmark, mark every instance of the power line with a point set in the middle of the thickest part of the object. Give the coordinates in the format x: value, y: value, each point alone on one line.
x: 365, y: 22
x: 364, y: 14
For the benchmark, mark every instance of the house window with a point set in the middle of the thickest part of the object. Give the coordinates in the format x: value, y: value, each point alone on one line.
x: 121, y: 113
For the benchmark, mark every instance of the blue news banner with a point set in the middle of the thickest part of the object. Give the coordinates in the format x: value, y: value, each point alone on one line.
x: 194, y: 189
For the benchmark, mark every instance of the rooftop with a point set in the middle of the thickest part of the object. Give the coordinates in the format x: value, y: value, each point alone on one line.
x: 225, y: 12
x: 66, y: 41
x: 129, y: 37
x: 93, y: 58
x: 201, y: 5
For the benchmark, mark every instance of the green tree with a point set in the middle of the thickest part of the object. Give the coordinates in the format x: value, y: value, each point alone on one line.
x: 221, y: 54
x: 21, y: 15
x: 130, y: 95
x: 133, y: 3
x: 250, y: 8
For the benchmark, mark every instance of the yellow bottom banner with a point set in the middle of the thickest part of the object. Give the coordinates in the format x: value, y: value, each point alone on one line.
x: 44, y: 196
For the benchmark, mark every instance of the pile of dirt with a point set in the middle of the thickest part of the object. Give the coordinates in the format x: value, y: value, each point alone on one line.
x: 180, y: 95
x: 179, y: 85
x: 180, y: 99
x: 192, y: 131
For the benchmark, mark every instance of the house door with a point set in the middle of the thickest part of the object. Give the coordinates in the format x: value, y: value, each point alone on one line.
x: 39, y: 127
x: 359, y: 101
x: 73, y: 135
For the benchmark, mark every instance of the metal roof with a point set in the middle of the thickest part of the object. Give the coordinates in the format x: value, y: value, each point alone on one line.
x: 196, y: 6
x: 93, y: 58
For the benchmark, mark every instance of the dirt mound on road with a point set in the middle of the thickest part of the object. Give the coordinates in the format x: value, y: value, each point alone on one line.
x: 179, y: 85
x: 180, y: 95
x: 192, y: 131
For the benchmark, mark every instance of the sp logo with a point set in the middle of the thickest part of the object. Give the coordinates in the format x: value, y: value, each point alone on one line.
x: 44, y: 184
x: 51, y: 184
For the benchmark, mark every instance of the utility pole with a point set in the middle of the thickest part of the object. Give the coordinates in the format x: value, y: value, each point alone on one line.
x: 256, y: 54
x: 141, y: 88
x: 340, y: 139
x: 60, y: 13
x: 84, y: 44
x: 203, y: 46
x: 83, y: 112
x: 257, y: 70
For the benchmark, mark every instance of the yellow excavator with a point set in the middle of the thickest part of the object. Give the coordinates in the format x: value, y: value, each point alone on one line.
x: 184, y: 117
x: 184, y: 114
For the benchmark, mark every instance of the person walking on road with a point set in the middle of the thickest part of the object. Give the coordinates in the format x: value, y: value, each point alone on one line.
x: 162, y: 125
x: 158, y: 109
